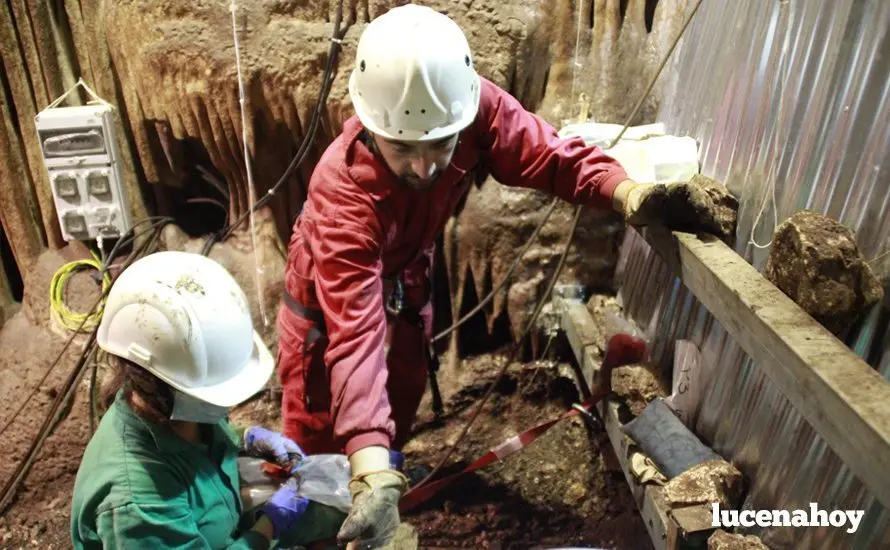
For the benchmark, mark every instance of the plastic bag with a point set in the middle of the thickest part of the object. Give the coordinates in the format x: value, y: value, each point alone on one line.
x: 323, y: 478
x: 256, y: 486
x: 689, y: 382
x: 625, y: 345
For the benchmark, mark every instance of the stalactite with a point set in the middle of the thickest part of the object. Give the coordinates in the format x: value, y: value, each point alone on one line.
x: 171, y: 69
x: 20, y: 215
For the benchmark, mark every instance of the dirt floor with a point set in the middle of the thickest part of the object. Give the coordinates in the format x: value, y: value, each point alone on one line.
x: 556, y: 493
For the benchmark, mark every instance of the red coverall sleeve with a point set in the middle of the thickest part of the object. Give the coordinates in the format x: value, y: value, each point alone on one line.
x: 349, y: 289
x: 523, y: 150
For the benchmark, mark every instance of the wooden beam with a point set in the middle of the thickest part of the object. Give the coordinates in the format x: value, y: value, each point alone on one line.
x: 583, y: 337
x: 667, y: 531
x: 690, y: 526
x: 649, y: 498
x: 840, y: 395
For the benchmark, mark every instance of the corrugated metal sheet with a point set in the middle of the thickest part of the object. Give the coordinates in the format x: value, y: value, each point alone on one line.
x: 790, y: 103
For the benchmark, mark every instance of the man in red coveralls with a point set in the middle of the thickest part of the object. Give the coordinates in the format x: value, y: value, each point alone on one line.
x: 357, y: 315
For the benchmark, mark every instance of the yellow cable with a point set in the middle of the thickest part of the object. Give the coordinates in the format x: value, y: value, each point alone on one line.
x: 65, y: 317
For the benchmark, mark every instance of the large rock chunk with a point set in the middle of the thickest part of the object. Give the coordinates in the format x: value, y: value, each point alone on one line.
x: 721, y: 540
x: 816, y: 262
x: 711, y: 481
x: 637, y: 385
x: 721, y: 205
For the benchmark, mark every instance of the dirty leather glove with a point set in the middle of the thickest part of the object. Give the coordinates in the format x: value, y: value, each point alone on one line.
x: 682, y: 206
x: 285, y: 508
x: 376, y: 489
x: 262, y: 443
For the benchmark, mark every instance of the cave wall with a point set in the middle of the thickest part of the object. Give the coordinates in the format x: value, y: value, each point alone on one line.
x: 169, y: 68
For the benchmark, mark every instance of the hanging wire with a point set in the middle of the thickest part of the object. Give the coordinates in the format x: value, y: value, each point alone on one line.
x: 251, y: 193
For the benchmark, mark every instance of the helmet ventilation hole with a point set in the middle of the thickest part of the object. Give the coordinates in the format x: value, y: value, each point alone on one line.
x: 362, y: 65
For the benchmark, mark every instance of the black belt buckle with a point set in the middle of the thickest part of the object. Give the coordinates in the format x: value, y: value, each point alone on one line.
x: 395, y: 303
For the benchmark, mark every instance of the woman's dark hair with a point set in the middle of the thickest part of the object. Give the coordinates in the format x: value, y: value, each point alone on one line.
x: 155, y: 396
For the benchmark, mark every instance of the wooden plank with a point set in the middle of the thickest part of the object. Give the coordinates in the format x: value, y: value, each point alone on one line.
x: 690, y: 526
x: 583, y: 338
x: 840, y: 395
x: 666, y: 531
x: 649, y: 498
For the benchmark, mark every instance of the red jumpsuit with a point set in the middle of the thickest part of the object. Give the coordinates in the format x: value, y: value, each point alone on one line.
x: 359, y: 226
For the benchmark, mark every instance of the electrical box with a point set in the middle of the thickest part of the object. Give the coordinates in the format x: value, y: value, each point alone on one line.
x: 80, y: 153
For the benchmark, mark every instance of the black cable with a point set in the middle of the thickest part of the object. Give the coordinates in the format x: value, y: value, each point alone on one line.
x: 94, y: 403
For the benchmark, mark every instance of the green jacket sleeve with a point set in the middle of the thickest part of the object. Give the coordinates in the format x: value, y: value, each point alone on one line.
x: 238, y: 432
x: 162, y: 525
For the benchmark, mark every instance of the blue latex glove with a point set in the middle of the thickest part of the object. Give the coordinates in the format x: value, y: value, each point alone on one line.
x: 262, y: 443
x: 396, y: 460
x: 285, y: 508
x: 415, y: 473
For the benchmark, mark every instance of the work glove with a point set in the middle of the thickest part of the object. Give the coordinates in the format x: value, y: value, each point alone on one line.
x: 285, y: 508
x: 699, y: 205
x: 262, y: 443
x: 376, y: 489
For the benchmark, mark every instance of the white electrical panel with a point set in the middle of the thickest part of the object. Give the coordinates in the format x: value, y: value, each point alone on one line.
x: 81, y: 156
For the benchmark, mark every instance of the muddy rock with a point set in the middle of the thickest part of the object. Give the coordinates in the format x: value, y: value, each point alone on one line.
x: 637, y: 385
x: 711, y: 481
x: 704, y: 204
x: 600, y: 306
x: 816, y: 262
x: 723, y: 207
x: 881, y: 267
x: 721, y: 540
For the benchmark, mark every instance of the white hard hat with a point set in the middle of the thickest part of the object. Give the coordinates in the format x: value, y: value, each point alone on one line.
x: 414, y: 78
x: 183, y: 318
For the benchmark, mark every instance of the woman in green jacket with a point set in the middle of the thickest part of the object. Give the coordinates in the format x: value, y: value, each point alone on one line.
x: 161, y: 469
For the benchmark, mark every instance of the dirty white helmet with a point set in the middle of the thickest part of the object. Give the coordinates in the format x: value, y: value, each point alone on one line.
x: 414, y: 78
x: 183, y: 318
